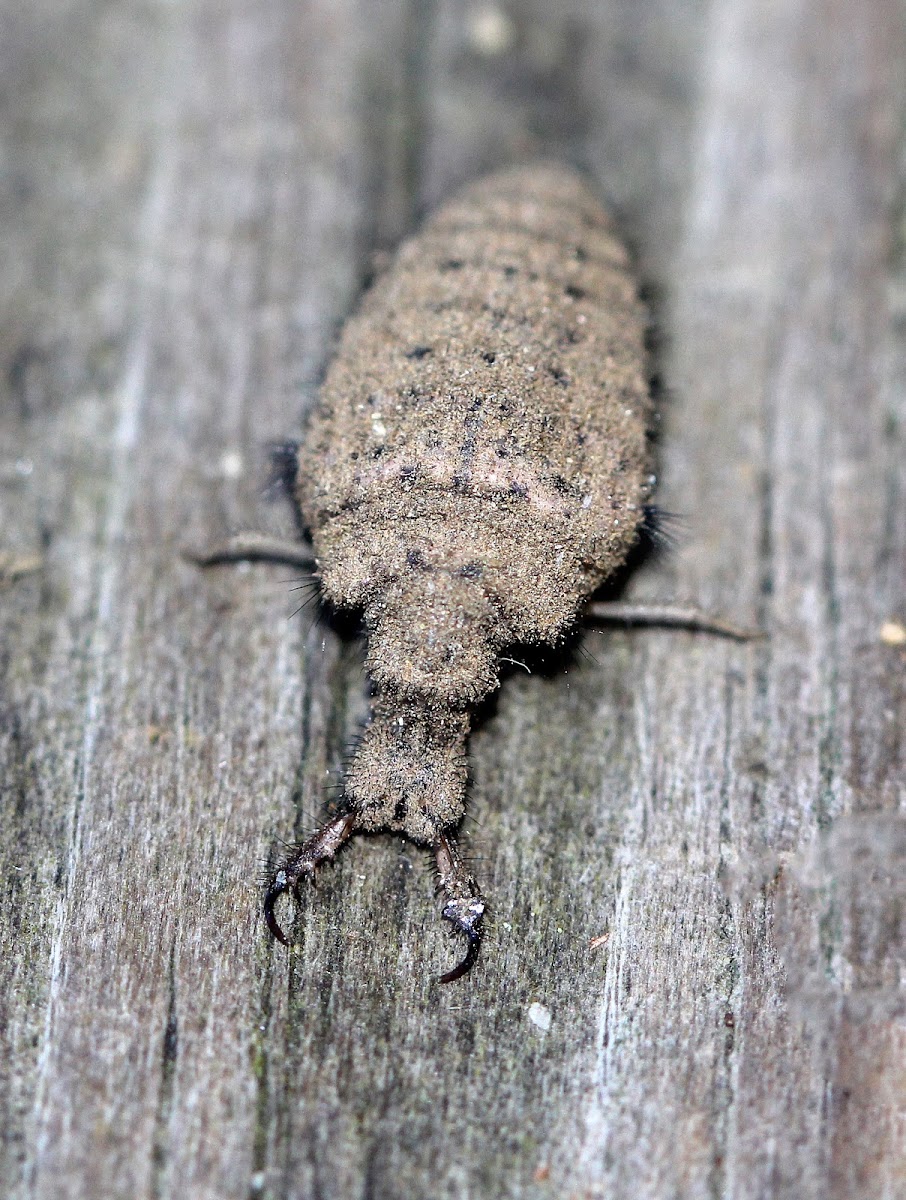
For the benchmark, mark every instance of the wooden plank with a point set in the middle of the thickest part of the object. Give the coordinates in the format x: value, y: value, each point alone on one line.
x: 194, y: 194
x: 764, y: 429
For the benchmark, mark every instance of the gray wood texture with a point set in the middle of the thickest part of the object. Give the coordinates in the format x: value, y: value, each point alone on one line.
x: 694, y: 849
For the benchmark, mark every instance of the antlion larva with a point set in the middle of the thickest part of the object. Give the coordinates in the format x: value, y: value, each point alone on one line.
x: 476, y: 466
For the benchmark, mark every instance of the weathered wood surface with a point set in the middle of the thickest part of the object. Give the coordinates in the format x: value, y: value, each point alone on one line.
x: 191, y: 197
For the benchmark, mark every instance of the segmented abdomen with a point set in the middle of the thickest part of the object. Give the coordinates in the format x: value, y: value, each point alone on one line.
x: 487, y: 408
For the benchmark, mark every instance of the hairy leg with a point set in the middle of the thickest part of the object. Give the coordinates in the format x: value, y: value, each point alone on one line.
x: 254, y: 547
x: 667, y: 616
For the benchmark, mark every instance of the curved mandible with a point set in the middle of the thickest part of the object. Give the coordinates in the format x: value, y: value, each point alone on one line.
x: 301, y: 862
x: 465, y: 905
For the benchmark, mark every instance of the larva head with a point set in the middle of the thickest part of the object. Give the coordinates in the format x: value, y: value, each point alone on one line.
x: 433, y: 637
x: 410, y: 771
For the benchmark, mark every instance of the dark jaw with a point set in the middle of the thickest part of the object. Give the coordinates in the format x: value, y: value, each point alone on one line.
x: 473, y: 929
x: 464, y: 909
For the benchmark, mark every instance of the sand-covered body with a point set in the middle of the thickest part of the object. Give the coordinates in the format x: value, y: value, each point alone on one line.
x: 477, y: 462
x: 475, y: 467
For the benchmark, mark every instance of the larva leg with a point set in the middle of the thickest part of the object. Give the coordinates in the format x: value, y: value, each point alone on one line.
x: 672, y: 616
x: 255, y: 547
x: 302, y: 862
x: 465, y: 905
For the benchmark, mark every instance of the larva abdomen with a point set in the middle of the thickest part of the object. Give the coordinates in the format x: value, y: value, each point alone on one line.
x: 482, y: 432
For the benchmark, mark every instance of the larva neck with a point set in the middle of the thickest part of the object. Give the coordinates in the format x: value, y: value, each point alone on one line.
x: 433, y: 638
x: 410, y: 771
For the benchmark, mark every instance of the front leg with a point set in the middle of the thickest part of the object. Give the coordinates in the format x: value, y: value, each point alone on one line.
x: 667, y: 616
x: 249, y: 546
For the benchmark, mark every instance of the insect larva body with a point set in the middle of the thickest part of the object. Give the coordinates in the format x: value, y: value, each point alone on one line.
x: 476, y: 466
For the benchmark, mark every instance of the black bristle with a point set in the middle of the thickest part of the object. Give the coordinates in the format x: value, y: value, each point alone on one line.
x: 660, y: 530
